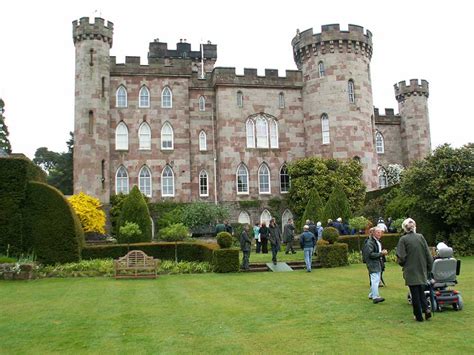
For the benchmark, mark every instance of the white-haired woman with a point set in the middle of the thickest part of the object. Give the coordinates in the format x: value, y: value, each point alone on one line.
x: 414, y: 256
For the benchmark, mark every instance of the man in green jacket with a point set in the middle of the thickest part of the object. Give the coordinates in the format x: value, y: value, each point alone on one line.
x: 414, y: 256
x: 373, y: 253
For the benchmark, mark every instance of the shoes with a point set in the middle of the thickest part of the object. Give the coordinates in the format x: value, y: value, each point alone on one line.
x: 274, y: 263
x: 418, y: 320
x: 370, y: 297
x: 308, y: 270
x: 427, y: 315
x: 286, y: 252
x: 293, y: 252
x: 378, y: 300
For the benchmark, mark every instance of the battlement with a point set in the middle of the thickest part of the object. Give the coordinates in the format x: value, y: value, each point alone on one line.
x: 228, y: 77
x: 84, y: 30
x: 390, y: 118
x: 159, y: 49
x: 332, y: 39
x: 402, y: 90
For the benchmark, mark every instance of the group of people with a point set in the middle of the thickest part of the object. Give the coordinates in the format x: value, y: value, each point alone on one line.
x: 413, y: 255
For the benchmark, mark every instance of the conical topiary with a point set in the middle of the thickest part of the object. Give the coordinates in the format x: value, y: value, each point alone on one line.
x: 135, y: 210
x: 314, y: 208
x: 337, y: 205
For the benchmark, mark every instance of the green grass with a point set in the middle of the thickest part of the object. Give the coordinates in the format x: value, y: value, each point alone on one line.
x: 274, y: 313
x: 281, y: 256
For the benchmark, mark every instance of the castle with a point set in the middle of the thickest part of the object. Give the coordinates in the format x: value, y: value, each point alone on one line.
x: 182, y: 129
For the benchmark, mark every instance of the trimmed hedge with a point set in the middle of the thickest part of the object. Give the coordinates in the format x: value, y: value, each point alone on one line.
x: 356, y: 242
x: 333, y: 255
x: 226, y: 260
x: 163, y: 250
x: 14, y: 176
x: 135, y: 209
x: 51, y: 226
x: 224, y: 239
x: 330, y: 234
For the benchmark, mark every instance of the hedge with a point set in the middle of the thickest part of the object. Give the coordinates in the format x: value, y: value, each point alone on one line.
x: 333, y: 255
x: 14, y: 176
x: 356, y: 242
x: 226, y: 260
x: 135, y: 209
x: 51, y: 227
x: 187, y: 251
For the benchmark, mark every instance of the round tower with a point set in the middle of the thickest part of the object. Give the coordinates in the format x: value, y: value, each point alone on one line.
x: 91, y: 128
x: 337, y: 95
x: 414, y: 124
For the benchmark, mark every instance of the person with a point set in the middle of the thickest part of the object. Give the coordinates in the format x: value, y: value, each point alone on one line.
x: 319, y: 230
x: 390, y: 227
x: 330, y: 223
x: 264, y: 234
x: 372, y: 254
x: 415, y: 258
x: 338, y: 226
x: 307, y: 243
x: 220, y: 227
x: 245, y: 246
x: 256, y: 235
x: 228, y: 228
x: 275, y: 228
x: 312, y: 226
x: 274, y: 238
x: 381, y: 224
x: 288, y: 235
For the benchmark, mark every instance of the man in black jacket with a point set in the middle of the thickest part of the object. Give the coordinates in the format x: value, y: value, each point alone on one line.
x: 245, y: 245
x: 372, y: 254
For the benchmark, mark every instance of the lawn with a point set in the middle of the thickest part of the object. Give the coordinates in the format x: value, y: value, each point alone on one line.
x: 297, y: 312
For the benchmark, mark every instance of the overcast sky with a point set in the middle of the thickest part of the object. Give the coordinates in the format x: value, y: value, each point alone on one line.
x: 412, y: 39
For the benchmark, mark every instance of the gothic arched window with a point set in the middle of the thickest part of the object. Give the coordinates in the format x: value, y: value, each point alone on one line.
x: 273, y: 134
x: 166, y: 98
x: 244, y: 218
x: 264, y: 179
x: 144, y: 137
x: 325, y: 128
x: 242, y: 179
x: 202, y: 141
x: 250, y: 129
x: 240, y: 99
x: 261, y: 125
x: 203, y: 183
x: 121, y: 97
x: 121, y: 181
x: 379, y: 143
x: 382, y: 177
x: 265, y: 217
x: 202, y: 103
x: 144, y: 181
x: 350, y: 91
x: 281, y: 100
x: 144, y: 97
x: 284, y: 179
x: 167, y: 182
x: 321, y: 70
x: 167, y: 137
x: 121, y: 137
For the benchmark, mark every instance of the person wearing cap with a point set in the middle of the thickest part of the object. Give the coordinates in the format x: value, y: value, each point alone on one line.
x: 381, y: 224
x: 319, y: 230
x: 372, y: 254
x: 338, y: 225
x: 415, y: 258
x: 307, y: 243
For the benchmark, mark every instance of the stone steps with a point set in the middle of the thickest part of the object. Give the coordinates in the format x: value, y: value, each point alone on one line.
x: 295, y: 265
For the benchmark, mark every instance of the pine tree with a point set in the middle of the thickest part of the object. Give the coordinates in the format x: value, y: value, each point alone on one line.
x: 4, y: 142
x: 337, y: 205
x: 135, y: 210
x: 314, y: 208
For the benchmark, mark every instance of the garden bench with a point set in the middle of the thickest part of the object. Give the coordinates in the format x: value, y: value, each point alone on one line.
x: 136, y: 264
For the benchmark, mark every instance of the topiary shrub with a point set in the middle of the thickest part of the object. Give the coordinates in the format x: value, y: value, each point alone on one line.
x: 330, y: 234
x: 333, y: 255
x: 130, y: 233
x: 358, y: 223
x: 53, y: 229
x: 135, y: 209
x: 116, y: 203
x: 224, y: 239
x: 337, y: 205
x: 314, y: 208
x: 226, y: 260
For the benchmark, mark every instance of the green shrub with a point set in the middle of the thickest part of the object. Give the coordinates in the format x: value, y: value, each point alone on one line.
x: 116, y: 203
x: 184, y: 267
x: 53, y: 229
x: 333, y: 255
x: 226, y: 260
x: 224, y: 239
x: 330, y: 234
x: 135, y: 209
x: 203, y: 213
x: 84, y: 268
x: 358, y: 223
x: 354, y: 257
x: 130, y: 233
x: 314, y: 208
x: 462, y: 242
x: 174, y: 232
x: 337, y: 205
x: 188, y: 251
x: 7, y: 260
x: 356, y: 242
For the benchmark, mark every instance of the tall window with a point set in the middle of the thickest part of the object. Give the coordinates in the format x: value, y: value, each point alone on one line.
x: 166, y: 98
x: 382, y: 177
x: 202, y: 141
x: 285, y: 217
x: 121, y: 137
x: 265, y: 217
x: 167, y: 182
x: 144, y: 97
x: 144, y: 136
x: 273, y: 134
x: 350, y: 91
x: 325, y: 128
x: 284, y: 180
x: 250, y: 128
x: 379, y: 143
x: 321, y: 70
x: 121, y: 97
x: 167, y: 137
x: 242, y: 179
x: 240, y: 99
x: 264, y: 179
x: 144, y: 181
x: 281, y: 100
x: 244, y: 218
x: 262, y: 132
x: 121, y: 181
x: 202, y: 103
x: 203, y: 183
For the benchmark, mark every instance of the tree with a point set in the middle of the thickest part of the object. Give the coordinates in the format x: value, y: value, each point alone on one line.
x: 4, y: 141
x: 174, y: 233
x: 442, y: 186
x: 314, y: 208
x: 135, y: 210
x: 322, y: 175
x: 337, y: 205
x: 201, y: 213
x: 394, y: 173
x: 59, y: 166
x: 90, y: 213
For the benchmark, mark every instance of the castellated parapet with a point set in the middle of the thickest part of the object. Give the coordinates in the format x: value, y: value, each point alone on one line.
x: 228, y: 77
x: 97, y: 30
x: 331, y: 39
x: 402, y: 90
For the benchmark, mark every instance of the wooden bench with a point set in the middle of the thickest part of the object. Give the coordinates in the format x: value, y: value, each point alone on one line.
x: 136, y: 264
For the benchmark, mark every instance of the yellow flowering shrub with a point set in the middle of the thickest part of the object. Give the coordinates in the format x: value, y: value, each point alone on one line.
x: 90, y: 213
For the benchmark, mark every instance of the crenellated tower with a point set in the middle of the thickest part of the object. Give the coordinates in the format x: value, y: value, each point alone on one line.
x: 337, y: 95
x: 91, y: 124
x: 414, y: 124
